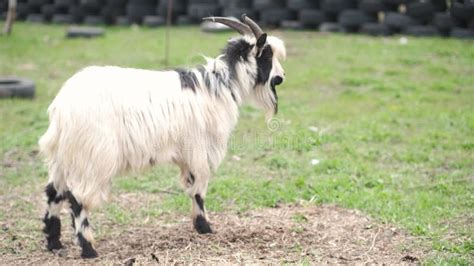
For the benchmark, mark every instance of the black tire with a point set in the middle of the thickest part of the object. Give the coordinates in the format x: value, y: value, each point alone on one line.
x: 397, y: 22
x: 77, y: 14
x: 419, y: 30
x: 16, y: 87
x: 464, y: 12
x: 92, y: 7
x: 440, y: 5
x: 64, y: 3
x: 302, y: 4
x: 135, y: 13
x: 122, y: 21
x: 375, y: 29
x: 292, y: 25
x: 236, y: 3
x: 330, y: 27
x: 334, y: 7
x: 209, y: 2
x: 352, y: 20
x: 421, y: 11
x: 35, y: 18
x: 462, y: 33
x: 198, y: 11
x: 94, y: 20
x: 84, y: 32
x: 38, y: 3
x: 371, y: 6
x: 178, y: 8
x: 22, y: 10
x: 238, y: 12
x: 143, y: 2
x: 311, y: 18
x: 48, y: 11
x: 118, y: 3
x: 62, y: 19
x: 268, y: 4
x: 443, y: 22
x: 110, y: 13
x: 470, y: 25
x: 183, y: 20
x: 153, y: 21
x: 275, y: 16
x: 394, y: 4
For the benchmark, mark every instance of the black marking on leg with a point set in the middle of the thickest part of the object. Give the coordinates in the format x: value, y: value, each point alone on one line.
x: 73, y: 222
x: 52, y: 194
x: 88, y: 251
x: 85, y: 223
x: 201, y: 225
x: 75, y: 206
x: 52, y: 229
x: 199, y: 201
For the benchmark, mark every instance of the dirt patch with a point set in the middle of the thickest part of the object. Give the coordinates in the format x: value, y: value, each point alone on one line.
x: 292, y: 233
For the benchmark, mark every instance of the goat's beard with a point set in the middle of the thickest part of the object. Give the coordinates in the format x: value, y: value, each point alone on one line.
x: 265, y: 97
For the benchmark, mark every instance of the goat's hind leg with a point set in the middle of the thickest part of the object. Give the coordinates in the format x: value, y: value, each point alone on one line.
x: 82, y: 228
x: 196, y: 187
x: 52, y: 221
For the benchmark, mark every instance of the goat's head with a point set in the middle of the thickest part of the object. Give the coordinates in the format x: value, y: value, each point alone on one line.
x: 256, y: 57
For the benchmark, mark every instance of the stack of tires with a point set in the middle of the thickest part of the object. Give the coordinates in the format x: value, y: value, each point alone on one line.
x: 273, y: 12
x: 197, y: 9
x: 375, y: 17
x: 235, y: 8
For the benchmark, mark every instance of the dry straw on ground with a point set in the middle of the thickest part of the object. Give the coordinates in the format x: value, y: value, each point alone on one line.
x: 287, y: 234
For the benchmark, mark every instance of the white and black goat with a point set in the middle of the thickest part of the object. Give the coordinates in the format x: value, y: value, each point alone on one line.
x: 108, y: 120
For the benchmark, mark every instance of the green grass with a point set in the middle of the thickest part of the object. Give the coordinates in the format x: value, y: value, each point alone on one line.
x: 395, y: 124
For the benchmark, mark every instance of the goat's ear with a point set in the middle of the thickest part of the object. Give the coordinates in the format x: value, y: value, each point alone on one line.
x: 261, y: 41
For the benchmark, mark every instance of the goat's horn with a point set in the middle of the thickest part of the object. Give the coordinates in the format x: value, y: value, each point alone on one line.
x: 234, y: 24
x: 257, y: 31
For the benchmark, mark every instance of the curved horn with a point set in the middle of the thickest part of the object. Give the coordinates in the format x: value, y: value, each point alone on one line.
x: 234, y: 24
x: 257, y: 31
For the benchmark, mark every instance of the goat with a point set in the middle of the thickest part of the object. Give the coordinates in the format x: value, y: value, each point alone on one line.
x: 106, y: 121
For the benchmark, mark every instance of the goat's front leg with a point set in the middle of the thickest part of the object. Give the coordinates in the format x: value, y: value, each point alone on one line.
x: 196, y: 186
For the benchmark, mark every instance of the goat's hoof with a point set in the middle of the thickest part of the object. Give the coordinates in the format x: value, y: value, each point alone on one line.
x: 201, y: 225
x: 89, y: 254
x: 54, y: 244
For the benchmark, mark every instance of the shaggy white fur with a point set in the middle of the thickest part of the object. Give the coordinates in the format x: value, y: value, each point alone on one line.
x: 108, y: 120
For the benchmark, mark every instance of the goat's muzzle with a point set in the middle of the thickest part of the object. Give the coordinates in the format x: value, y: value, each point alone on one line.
x: 277, y: 80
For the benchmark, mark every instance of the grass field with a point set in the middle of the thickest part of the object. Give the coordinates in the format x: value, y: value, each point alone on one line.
x: 364, y: 123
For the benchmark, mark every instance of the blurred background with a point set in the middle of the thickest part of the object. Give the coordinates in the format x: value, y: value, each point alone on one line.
x: 376, y: 17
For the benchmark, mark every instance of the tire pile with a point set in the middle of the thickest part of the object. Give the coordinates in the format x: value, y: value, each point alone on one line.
x: 453, y: 18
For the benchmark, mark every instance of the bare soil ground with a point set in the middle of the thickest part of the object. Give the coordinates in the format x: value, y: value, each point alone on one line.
x: 287, y: 234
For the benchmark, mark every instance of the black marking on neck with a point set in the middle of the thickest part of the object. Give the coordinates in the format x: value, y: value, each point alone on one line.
x: 235, y: 52
x: 222, y: 82
x: 188, y: 79
x: 264, y: 65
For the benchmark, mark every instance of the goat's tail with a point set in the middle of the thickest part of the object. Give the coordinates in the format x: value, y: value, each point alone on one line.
x: 48, y: 143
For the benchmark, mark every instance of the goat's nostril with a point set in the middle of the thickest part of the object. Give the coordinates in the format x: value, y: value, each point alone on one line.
x: 277, y: 80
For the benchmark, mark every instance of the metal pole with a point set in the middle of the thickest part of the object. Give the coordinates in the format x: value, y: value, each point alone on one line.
x: 168, y: 26
x: 10, y: 17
